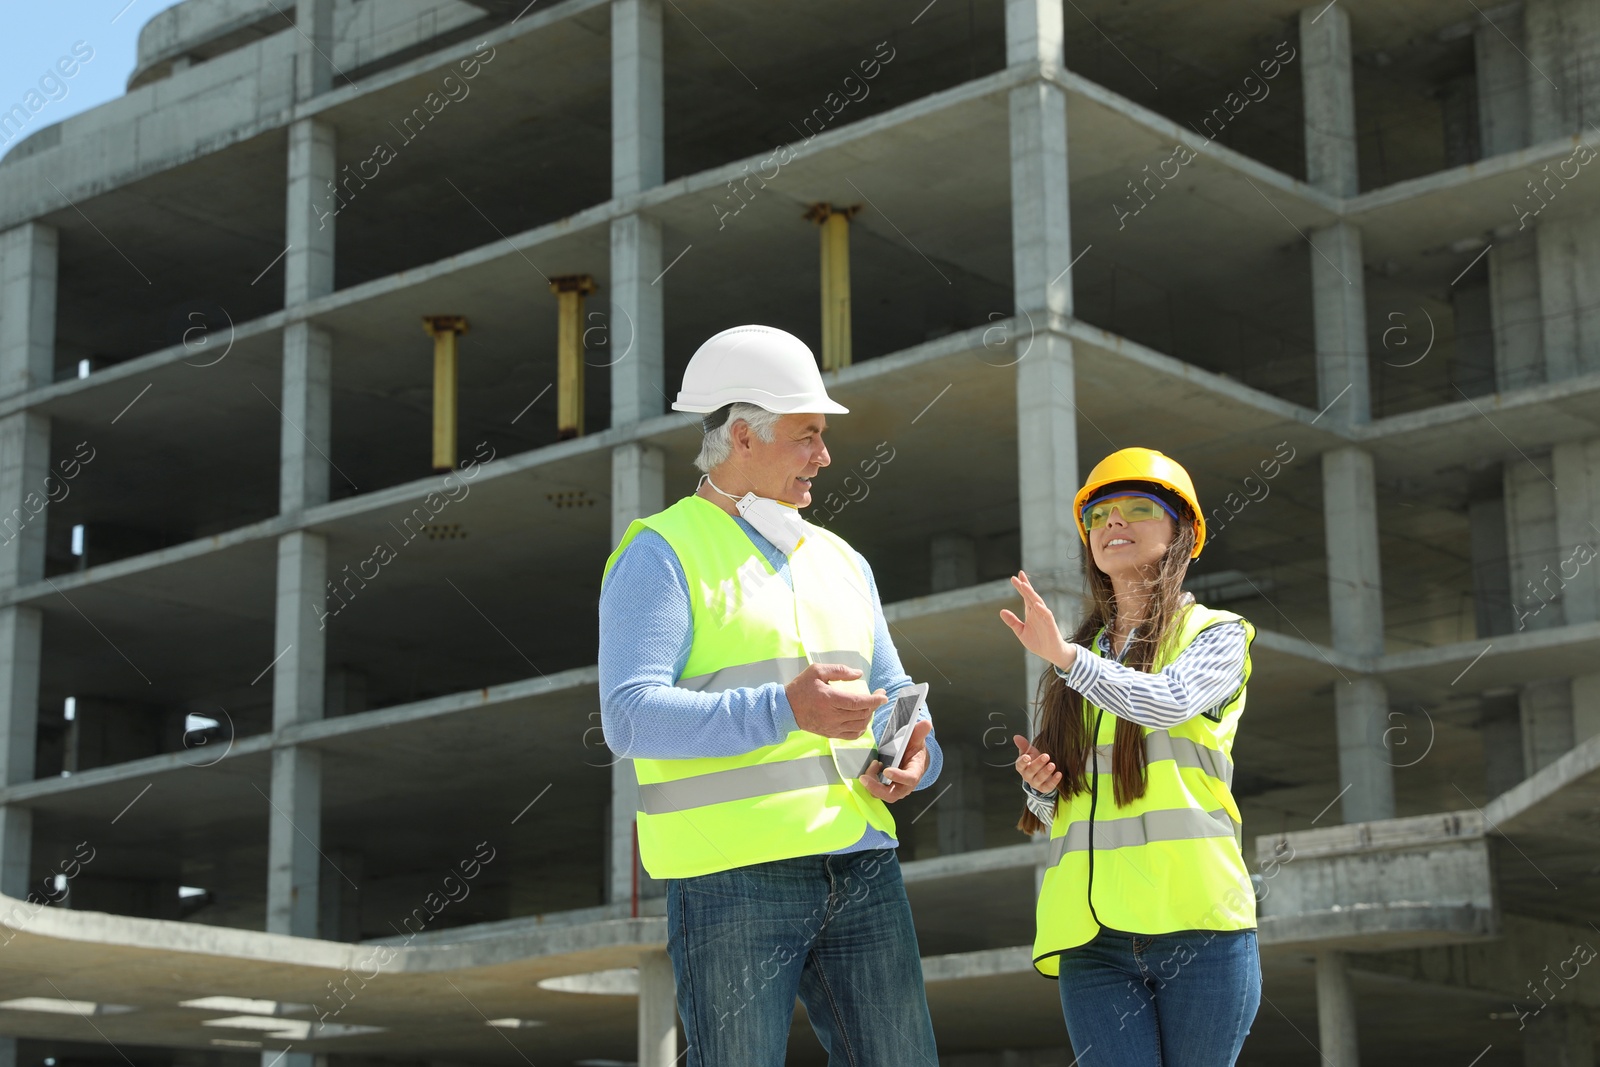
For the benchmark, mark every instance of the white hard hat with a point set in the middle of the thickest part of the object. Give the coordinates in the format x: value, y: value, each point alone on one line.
x: 760, y: 365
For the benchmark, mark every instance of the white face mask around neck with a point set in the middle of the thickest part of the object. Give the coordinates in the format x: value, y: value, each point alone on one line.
x: 778, y: 522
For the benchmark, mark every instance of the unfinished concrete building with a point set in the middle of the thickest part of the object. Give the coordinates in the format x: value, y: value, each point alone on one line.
x: 334, y: 358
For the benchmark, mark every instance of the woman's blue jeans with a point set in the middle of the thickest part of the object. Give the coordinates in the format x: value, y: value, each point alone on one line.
x: 1166, y: 1000
x: 833, y: 930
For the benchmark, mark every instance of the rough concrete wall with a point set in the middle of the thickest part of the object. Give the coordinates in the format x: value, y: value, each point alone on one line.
x: 1577, y: 471
x: 1563, y: 47
x: 1514, y: 311
x: 1531, y: 540
x: 1569, y: 295
x: 1502, y: 86
x: 367, y: 32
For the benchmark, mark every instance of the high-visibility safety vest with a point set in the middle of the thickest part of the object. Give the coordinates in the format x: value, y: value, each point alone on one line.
x: 800, y: 796
x: 1169, y: 861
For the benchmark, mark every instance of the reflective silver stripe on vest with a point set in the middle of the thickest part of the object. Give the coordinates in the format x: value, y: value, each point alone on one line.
x: 1185, y: 752
x: 737, y: 783
x: 854, y: 761
x: 1170, y: 824
x: 782, y: 669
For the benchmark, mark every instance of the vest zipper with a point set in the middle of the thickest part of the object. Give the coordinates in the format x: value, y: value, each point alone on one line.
x: 1094, y: 780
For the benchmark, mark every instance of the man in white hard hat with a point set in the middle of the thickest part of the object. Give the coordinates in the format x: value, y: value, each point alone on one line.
x: 746, y: 668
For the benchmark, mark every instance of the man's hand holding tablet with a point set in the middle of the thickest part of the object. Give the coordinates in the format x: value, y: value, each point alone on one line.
x: 902, y: 755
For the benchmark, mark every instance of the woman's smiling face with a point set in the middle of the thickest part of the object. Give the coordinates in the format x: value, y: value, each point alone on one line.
x: 1124, y: 549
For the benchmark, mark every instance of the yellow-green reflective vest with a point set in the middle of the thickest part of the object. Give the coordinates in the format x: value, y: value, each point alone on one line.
x: 798, y: 797
x: 1171, y: 859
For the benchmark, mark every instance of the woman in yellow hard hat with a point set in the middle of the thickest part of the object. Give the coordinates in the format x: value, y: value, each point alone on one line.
x: 1146, y: 914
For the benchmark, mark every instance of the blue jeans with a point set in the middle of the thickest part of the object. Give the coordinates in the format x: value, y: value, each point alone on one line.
x: 833, y: 930
x: 1166, y: 1000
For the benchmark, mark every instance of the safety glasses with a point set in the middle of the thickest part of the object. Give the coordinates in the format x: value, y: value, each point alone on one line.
x: 1134, y: 507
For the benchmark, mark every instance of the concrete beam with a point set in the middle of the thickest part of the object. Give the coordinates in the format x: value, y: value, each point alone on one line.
x: 1524, y: 965
x: 1417, y: 880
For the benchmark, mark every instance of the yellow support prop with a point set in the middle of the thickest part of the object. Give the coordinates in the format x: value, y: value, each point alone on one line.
x: 835, y: 231
x: 570, y: 289
x: 444, y: 329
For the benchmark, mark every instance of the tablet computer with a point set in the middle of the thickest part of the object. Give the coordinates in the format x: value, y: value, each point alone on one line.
x: 897, y: 732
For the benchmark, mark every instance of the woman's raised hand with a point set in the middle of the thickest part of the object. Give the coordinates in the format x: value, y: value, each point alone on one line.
x: 1037, y: 628
x: 1035, y: 767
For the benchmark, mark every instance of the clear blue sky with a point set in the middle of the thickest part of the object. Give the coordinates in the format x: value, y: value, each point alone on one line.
x: 36, y: 33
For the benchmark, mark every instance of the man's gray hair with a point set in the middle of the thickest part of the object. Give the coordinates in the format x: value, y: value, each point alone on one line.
x: 717, y: 444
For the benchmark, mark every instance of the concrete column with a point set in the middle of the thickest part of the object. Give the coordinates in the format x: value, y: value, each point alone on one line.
x: 306, y: 433
x: 338, y: 900
x: 298, y: 690
x: 658, y: 1011
x: 1491, y: 577
x: 1576, y: 469
x: 1047, y: 475
x: 1339, y: 323
x: 1502, y: 76
x: 20, y: 646
x: 1532, y: 539
x: 28, y: 260
x: 299, y: 677
x: 312, y: 203
x: 1501, y: 721
x: 1472, y: 370
x: 1546, y: 714
x: 313, y: 53
x: 1355, y: 606
x: 1569, y: 290
x: 1041, y: 229
x: 634, y: 336
x: 954, y: 560
x: 1515, y: 311
x: 638, y: 479
x: 1041, y: 252
x: 299, y: 680
x: 960, y: 810
x: 1355, y: 583
x: 1585, y: 707
x: 636, y: 96
x: 28, y: 263
x: 1336, y: 1012
x: 1562, y: 41
x: 1330, y: 106
x: 635, y: 347
x: 1558, y: 1036
x: 634, y: 332
x: 293, y: 838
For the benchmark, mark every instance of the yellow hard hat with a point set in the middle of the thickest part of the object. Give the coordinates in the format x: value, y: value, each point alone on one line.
x: 1141, y: 465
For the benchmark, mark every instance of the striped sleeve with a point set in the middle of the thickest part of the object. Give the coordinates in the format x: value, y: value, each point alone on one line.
x: 1202, y: 678
x: 1041, y: 804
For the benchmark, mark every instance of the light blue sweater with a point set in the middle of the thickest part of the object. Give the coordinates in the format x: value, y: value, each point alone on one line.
x: 646, y: 630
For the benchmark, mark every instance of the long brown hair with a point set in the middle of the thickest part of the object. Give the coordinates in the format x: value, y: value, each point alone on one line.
x: 1065, y: 734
